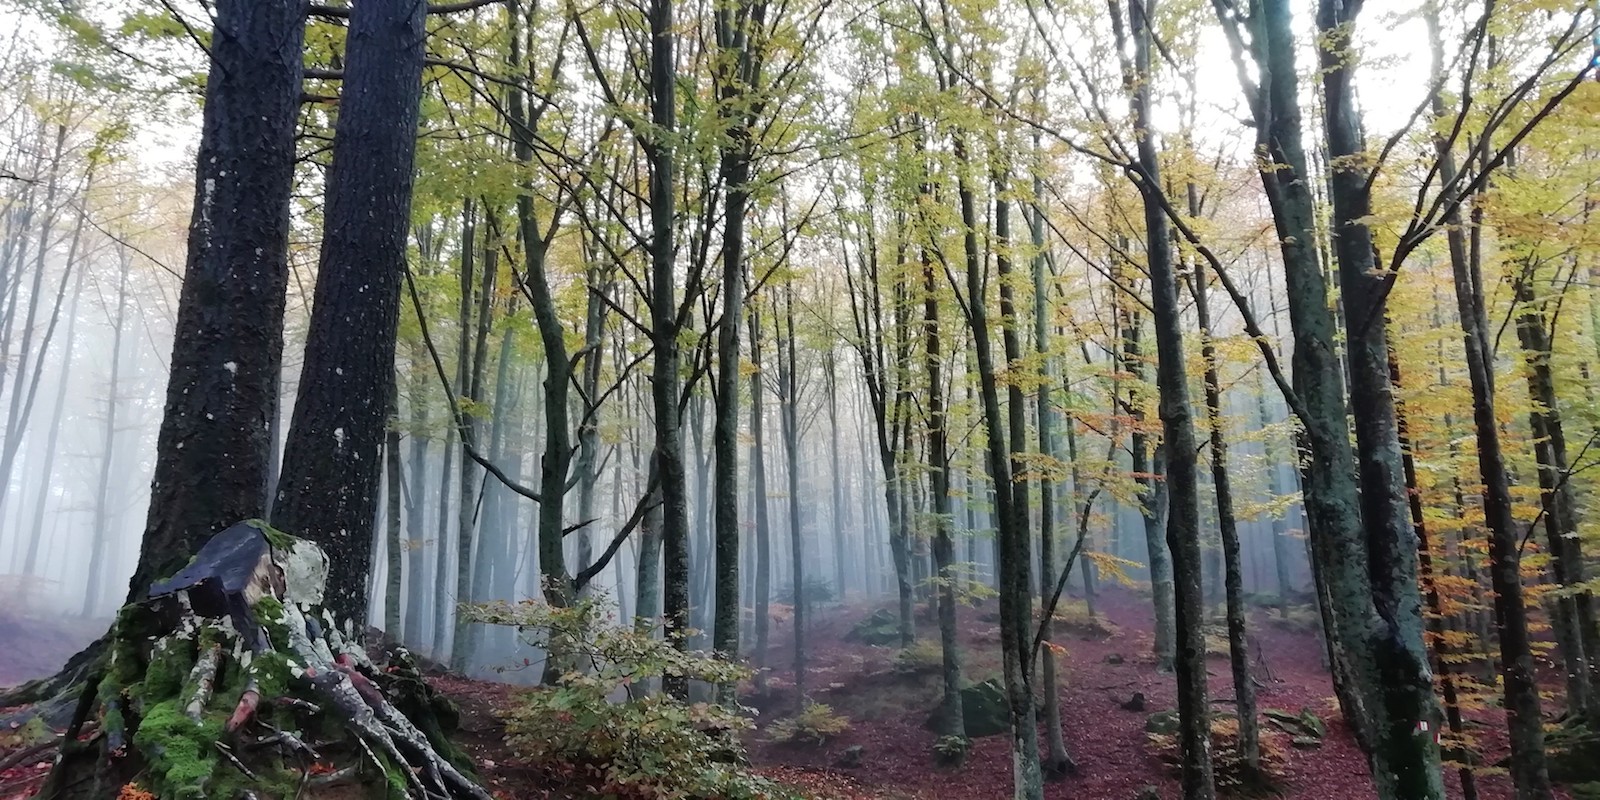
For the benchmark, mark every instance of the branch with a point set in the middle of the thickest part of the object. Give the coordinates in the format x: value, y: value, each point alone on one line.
x: 455, y: 408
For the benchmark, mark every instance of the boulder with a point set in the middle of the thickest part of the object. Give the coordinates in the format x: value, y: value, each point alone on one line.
x: 851, y: 757
x: 881, y: 628
x: 1162, y: 722
x: 983, y: 708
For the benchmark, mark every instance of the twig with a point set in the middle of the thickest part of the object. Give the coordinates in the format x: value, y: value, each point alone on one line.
x: 227, y: 753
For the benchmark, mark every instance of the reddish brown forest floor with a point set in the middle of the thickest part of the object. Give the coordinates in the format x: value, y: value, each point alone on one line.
x: 887, y: 712
x: 1109, y: 744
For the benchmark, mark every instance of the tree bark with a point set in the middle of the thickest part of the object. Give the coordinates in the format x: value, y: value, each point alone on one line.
x: 1016, y: 617
x: 327, y: 491
x: 951, y: 717
x: 1404, y: 681
x: 213, y: 449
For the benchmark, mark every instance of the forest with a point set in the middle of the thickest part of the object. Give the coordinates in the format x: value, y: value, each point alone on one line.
x: 792, y: 399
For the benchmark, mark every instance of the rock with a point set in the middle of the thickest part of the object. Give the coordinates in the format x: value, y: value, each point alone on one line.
x: 881, y: 628
x: 1306, y: 742
x: 851, y: 757
x: 1162, y: 722
x: 983, y: 708
x: 1312, y: 723
x: 1135, y: 703
x: 1585, y: 791
x: 1148, y: 793
x: 1573, y: 754
x: 1305, y: 724
x: 1115, y: 658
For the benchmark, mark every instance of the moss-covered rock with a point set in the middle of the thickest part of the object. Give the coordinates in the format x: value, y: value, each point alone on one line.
x: 882, y: 627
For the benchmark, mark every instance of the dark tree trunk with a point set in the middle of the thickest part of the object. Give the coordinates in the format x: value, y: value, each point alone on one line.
x: 1404, y: 681
x: 327, y: 491
x: 213, y: 450
x: 1244, y: 689
x: 1178, y: 439
x: 740, y: 37
x: 1057, y: 762
x: 1016, y: 612
x: 665, y: 380
x: 1521, y: 691
x: 1579, y: 632
x: 789, y: 415
x: 951, y: 716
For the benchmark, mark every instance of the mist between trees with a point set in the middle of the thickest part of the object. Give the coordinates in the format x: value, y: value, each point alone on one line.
x: 740, y: 317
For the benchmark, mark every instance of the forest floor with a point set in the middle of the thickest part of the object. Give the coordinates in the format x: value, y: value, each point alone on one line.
x: 1102, y: 666
x: 1099, y: 671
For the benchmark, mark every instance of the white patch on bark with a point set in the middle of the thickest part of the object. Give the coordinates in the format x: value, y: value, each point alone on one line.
x: 232, y: 367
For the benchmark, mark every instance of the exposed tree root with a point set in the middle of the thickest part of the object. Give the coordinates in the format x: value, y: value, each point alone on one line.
x: 206, y: 689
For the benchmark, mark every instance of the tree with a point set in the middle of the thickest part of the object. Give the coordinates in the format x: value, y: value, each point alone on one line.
x: 332, y: 460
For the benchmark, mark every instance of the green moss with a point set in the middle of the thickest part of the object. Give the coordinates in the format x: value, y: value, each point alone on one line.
x: 278, y: 539
x: 394, y: 783
x: 269, y: 612
x: 179, y: 751
x: 166, y: 671
x: 272, y: 674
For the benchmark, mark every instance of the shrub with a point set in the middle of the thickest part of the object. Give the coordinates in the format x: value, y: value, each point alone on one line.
x: 1232, y: 774
x: 951, y: 751
x: 922, y: 658
x: 815, y: 724
x: 650, y: 747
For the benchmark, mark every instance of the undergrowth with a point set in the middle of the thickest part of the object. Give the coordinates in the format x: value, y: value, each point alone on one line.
x: 1233, y: 776
x: 815, y: 724
x: 598, y: 729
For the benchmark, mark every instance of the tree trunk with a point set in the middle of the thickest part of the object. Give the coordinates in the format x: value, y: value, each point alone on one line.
x: 1443, y: 650
x: 951, y: 717
x: 1579, y: 643
x: 1405, y: 683
x: 758, y: 492
x: 789, y: 415
x: 327, y: 492
x: 1016, y: 612
x: 30, y: 564
x: 665, y: 380
x: 416, y: 565
x: 1058, y: 763
x: 1178, y: 439
x: 213, y: 449
x: 1244, y: 691
x: 104, y: 540
x: 391, y: 496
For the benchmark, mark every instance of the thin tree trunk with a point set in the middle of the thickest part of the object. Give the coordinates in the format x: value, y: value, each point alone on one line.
x: 392, y: 542
x: 30, y: 564
x: 1016, y: 617
x: 104, y: 540
x: 1244, y: 691
x: 789, y: 414
x: 951, y: 717
x: 1057, y: 763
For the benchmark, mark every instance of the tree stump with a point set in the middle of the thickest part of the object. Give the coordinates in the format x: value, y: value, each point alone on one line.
x: 231, y: 681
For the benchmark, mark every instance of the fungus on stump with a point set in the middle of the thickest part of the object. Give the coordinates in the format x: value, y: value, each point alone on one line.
x: 231, y: 681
